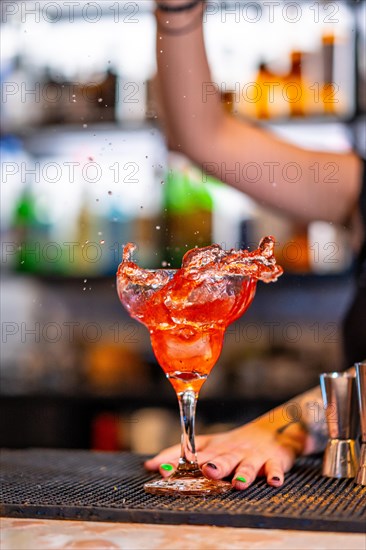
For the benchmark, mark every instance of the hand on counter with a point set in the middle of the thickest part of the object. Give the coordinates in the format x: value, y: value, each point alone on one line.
x: 255, y: 449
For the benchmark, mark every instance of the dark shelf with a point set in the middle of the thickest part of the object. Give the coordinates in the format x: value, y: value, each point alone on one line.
x: 61, y: 421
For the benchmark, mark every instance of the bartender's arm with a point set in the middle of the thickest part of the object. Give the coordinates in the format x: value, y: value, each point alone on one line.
x: 199, y: 127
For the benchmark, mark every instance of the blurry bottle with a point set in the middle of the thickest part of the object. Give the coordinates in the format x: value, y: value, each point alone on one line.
x: 118, y: 230
x: 53, y: 99
x: 86, y: 255
x: 105, y: 98
x: 330, y: 249
x: 264, y: 80
x: 105, y: 432
x: 112, y: 368
x: 21, y: 97
x: 269, y: 100
x: 147, y: 233
x: 227, y: 99
x: 30, y: 235
x: 327, y: 95
x: 131, y: 100
x: 294, y: 88
x: 188, y: 210
x: 294, y: 255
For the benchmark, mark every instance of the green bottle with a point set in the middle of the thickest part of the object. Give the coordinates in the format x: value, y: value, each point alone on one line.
x: 30, y: 234
x: 188, y: 211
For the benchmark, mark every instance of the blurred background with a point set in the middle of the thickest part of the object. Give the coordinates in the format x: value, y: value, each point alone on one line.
x: 85, y: 168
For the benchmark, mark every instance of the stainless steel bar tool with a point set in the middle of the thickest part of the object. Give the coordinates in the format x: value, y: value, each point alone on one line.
x: 341, y: 456
x: 361, y: 392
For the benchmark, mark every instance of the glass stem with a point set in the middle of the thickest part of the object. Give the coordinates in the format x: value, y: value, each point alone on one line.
x: 187, y: 406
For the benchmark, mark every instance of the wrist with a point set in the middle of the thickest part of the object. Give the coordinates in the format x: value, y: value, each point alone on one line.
x: 294, y: 437
x: 177, y: 6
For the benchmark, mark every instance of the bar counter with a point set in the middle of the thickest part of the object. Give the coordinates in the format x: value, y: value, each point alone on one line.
x: 63, y: 499
x: 31, y: 534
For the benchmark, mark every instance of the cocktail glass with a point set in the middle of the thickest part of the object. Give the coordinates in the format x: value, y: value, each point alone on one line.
x: 187, y: 311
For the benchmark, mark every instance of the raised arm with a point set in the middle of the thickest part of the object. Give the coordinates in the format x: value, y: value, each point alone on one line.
x: 199, y: 127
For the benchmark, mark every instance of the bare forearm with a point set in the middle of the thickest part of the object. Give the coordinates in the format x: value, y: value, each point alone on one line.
x: 183, y: 74
x: 304, y: 184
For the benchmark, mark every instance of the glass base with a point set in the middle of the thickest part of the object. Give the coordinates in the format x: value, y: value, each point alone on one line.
x: 176, y: 485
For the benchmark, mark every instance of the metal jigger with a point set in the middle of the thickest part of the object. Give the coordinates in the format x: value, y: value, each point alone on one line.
x: 361, y: 390
x: 341, y: 455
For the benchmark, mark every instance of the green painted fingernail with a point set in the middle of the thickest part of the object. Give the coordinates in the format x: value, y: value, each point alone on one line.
x: 166, y: 467
x: 242, y: 479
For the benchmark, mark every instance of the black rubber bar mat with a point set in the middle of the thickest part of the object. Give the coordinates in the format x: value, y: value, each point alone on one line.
x: 95, y: 486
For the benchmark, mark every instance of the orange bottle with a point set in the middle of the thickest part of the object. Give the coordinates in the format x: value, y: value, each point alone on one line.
x: 294, y: 89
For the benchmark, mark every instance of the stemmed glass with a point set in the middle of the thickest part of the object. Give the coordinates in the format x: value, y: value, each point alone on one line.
x: 187, y: 311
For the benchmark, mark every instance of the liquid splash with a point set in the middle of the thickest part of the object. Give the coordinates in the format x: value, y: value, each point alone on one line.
x: 187, y: 310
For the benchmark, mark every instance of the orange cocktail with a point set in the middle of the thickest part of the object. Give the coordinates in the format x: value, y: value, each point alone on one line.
x: 187, y: 311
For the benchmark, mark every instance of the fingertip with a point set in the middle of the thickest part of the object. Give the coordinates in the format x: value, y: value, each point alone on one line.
x: 166, y: 469
x: 274, y: 472
x: 211, y: 470
x: 151, y: 464
x: 275, y: 480
x: 240, y: 483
